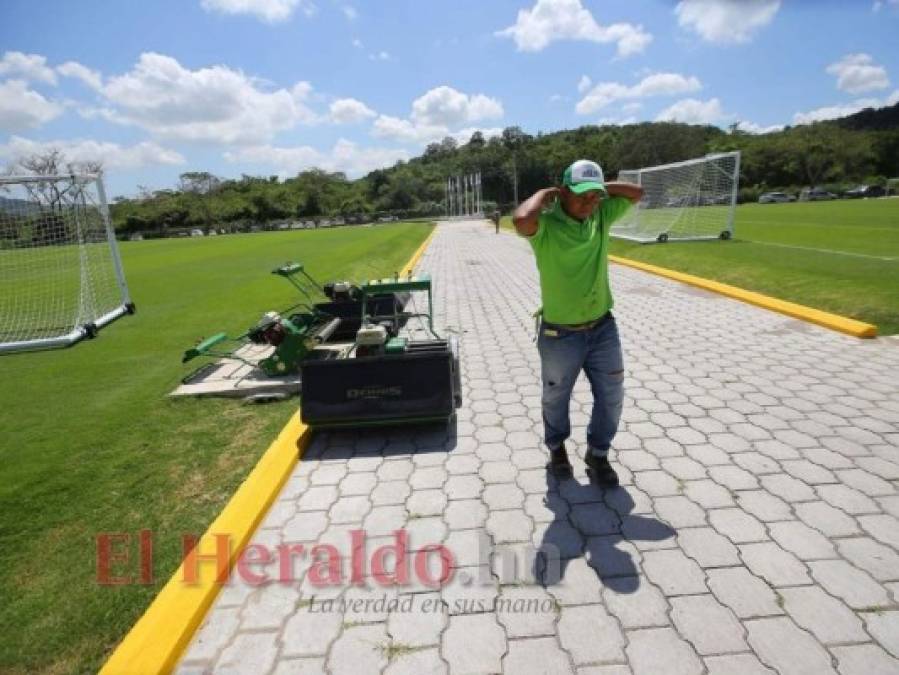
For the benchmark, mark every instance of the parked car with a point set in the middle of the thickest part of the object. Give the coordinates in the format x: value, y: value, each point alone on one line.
x: 816, y: 195
x: 865, y: 191
x: 775, y: 198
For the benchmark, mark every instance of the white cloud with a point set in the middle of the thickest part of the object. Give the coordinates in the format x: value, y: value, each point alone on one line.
x: 692, y: 111
x: 112, y: 155
x: 74, y: 69
x: 27, y: 66
x: 214, y: 104
x: 753, y: 128
x: 404, y: 131
x: 379, y: 56
x: 270, y: 11
x: 22, y: 108
x: 344, y: 156
x: 857, y: 73
x: 357, y: 43
x: 843, y: 109
x: 583, y: 84
x: 464, y: 135
x: 657, y: 84
x: 878, y: 4
x: 726, y: 21
x: 445, y: 106
x: 350, y: 12
x: 611, y: 121
x: 552, y: 20
x: 350, y: 111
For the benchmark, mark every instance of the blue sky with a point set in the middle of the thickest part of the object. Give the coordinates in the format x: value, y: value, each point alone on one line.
x: 270, y: 87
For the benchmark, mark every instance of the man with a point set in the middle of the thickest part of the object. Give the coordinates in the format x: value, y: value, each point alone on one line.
x: 495, y: 218
x: 568, y: 228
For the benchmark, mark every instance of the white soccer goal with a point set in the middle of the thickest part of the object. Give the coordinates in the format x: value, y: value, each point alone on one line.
x: 687, y: 200
x: 61, y: 277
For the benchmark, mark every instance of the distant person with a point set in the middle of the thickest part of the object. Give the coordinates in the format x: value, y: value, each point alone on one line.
x: 495, y: 218
x: 568, y: 229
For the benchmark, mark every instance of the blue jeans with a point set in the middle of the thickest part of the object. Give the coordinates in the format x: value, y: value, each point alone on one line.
x: 563, y: 354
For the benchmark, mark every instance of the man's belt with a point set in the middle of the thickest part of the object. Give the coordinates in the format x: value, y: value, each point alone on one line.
x: 587, y: 325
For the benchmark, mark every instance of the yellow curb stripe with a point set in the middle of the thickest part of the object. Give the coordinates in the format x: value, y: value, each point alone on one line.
x: 833, y: 321
x: 157, y: 641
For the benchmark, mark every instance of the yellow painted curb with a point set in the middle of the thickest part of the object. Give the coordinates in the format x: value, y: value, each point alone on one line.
x: 833, y: 321
x: 156, y: 642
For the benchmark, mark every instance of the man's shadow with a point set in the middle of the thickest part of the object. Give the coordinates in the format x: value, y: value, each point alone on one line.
x: 591, y: 521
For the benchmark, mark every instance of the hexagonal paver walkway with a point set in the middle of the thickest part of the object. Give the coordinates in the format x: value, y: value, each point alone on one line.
x: 756, y: 531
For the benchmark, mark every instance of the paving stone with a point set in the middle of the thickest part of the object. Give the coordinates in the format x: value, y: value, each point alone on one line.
x: 628, y: 500
x: 707, y: 547
x: 709, y: 626
x: 773, y: 564
x: 508, y: 526
x: 808, y: 473
x: 382, y: 520
x: 417, y: 620
x: 737, y: 525
x: 560, y: 537
x: 474, y: 643
x: 470, y: 548
x: 884, y: 627
x: 497, y: 472
x: 309, y: 632
x: 780, y: 643
x: 589, y: 634
x: 764, y: 506
x: 330, y: 473
x: 537, y: 656
x: 312, y: 666
x: 503, y: 496
x: 579, y: 583
x: 847, y: 499
x: 465, y: 514
x: 215, y: 632
x: 825, y: 617
x: 827, y: 519
x: 756, y: 463
x: 612, y: 556
x: 595, y: 519
x: 636, y: 603
x: 359, y: 649
x: 526, y: 611
x: 398, y: 469
x: 416, y: 662
x: 349, y: 510
x: 865, y: 660
x: 679, y: 512
x: 789, y: 489
x: 855, y: 587
x: 317, y: 498
x: 673, y: 572
x: 651, y: 651
x: 801, y: 540
x: 708, y: 494
x: 604, y: 670
x: 867, y: 483
x: 884, y: 528
x: 268, y: 607
x: 708, y: 455
x: 747, y: 595
x: 472, y: 590
x: 657, y: 483
x: 684, y: 468
x: 736, y: 664
x: 427, y: 502
x: 390, y: 492
x: 249, y: 653
x: 878, y: 560
x: 884, y: 468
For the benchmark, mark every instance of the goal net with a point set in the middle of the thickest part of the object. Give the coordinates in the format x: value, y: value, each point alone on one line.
x: 687, y: 200
x: 61, y: 277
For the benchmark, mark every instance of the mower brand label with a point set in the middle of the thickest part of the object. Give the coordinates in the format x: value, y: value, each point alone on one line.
x: 374, y: 391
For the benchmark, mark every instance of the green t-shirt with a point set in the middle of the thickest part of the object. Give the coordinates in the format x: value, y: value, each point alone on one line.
x: 572, y: 258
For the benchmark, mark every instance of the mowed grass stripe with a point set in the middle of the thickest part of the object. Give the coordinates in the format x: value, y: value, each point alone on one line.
x: 91, y: 443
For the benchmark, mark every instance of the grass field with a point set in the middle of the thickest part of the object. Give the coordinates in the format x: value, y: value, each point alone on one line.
x: 92, y: 444
x: 839, y: 256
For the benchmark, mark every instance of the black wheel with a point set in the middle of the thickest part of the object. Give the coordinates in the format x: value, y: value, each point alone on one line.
x: 724, y: 236
x: 453, y: 344
x: 662, y: 238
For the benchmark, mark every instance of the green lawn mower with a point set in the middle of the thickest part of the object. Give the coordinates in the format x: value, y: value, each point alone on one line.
x: 357, y: 364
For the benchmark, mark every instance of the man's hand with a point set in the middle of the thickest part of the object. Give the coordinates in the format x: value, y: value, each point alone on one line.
x: 527, y: 213
x: 629, y: 191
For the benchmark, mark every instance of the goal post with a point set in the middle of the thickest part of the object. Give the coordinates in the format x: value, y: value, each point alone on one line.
x: 690, y: 200
x: 61, y: 276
